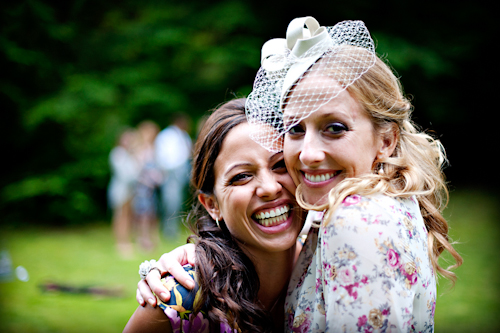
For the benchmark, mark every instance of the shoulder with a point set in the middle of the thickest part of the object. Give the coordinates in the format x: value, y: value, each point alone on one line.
x: 164, y: 134
x: 118, y: 152
x: 377, y: 226
x: 374, y: 217
x: 181, y: 299
x: 365, y: 210
x: 375, y: 208
x: 180, y: 308
x: 148, y: 319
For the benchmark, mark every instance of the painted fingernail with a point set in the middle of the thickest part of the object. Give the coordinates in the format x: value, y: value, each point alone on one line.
x: 151, y: 302
x: 163, y: 296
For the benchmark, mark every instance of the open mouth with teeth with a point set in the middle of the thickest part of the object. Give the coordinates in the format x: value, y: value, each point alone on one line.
x: 320, y: 178
x: 273, y: 217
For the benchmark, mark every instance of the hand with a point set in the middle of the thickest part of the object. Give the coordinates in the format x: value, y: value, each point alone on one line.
x: 169, y: 263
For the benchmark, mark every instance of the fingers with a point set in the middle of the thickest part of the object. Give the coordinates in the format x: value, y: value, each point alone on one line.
x: 155, y: 285
x: 182, y: 255
x: 191, y: 255
x: 139, y: 298
x: 172, y: 263
x: 144, y: 294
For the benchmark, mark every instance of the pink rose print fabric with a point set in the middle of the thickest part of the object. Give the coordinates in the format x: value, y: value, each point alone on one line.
x: 366, y: 270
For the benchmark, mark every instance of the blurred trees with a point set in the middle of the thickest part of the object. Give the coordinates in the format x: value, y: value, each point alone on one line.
x: 75, y: 73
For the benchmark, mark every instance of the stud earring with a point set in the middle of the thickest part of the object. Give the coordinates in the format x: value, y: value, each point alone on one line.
x: 217, y: 222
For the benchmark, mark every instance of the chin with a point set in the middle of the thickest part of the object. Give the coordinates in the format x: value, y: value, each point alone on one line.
x: 316, y: 200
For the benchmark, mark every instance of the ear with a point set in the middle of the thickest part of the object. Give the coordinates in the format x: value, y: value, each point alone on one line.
x: 389, y: 140
x: 210, y: 203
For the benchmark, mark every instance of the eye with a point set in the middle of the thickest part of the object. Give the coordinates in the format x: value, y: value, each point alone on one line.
x: 336, y: 128
x: 296, y: 130
x: 240, y: 179
x: 280, y: 166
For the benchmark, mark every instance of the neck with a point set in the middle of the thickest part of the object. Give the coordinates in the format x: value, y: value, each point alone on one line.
x: 274, y: 270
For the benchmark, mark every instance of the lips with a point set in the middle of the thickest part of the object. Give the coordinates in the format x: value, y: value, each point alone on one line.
x: 273, y: 216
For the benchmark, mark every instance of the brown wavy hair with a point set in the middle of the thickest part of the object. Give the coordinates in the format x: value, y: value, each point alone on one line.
x: 227, y: 278
x: 414, y: 168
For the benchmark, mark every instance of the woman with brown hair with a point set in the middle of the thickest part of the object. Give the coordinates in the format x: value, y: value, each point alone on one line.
x: 245, y: 227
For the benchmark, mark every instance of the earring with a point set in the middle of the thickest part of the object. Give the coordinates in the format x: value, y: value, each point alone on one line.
x: 381, y: 170
x: 217, y: 222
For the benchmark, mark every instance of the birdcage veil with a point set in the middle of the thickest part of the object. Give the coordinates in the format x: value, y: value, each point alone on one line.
x: 343, y: 53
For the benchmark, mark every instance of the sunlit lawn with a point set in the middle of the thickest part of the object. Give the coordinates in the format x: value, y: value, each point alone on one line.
x: 86, y: 256
x: 76, y: 257
x: 474, y: 304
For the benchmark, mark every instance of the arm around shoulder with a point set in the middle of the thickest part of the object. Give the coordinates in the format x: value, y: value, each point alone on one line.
x: 148, y: 319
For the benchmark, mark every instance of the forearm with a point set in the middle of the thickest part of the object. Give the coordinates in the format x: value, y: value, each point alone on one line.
x: 148, y: 319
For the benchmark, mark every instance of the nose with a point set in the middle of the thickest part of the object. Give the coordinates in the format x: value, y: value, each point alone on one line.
x: 311, y: 153
x: 269, y: 188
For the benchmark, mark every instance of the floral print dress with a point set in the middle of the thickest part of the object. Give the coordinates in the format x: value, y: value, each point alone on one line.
x: 367, y: 270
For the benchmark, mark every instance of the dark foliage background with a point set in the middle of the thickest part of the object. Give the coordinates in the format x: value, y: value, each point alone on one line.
x: 75, y: 73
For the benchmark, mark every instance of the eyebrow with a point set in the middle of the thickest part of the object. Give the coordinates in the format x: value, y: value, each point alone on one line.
x: 331, y: 113
x: 275, y: 154
x: 236, y: 166
x: 288, y: 117
x: 288, y: 121
x: 250, y: 164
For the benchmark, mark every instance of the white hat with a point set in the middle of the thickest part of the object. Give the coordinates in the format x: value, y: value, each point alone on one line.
x: 343, y: 53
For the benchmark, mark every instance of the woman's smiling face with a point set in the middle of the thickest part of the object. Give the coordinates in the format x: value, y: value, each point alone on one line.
x: 254, y: 194
x: 334, y: 142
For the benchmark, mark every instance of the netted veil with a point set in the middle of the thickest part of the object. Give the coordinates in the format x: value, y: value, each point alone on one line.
x: 343, y: 53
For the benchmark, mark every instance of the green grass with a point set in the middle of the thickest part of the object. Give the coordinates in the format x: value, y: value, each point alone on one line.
x: 86, y: 256
x: 77, y: 257
x: 474, y: 303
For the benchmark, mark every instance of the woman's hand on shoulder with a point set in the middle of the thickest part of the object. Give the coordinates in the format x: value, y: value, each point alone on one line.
x: 170, y: 263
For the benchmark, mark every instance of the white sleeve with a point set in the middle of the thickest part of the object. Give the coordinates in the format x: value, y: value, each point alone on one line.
x: 172, y: 148
x: 163, y: 155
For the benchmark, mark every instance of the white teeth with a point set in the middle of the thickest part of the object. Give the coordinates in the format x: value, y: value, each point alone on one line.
x: 318, y: 178
x: 273, y: 217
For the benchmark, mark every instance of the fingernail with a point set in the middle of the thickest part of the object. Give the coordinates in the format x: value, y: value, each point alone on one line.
x: 190, y: 284
x: 163, y: 296
x: 151, y: 302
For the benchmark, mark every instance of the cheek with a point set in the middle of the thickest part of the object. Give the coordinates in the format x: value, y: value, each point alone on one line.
x: 226, y: 207
x: 291, y: 154
x: 291, y: 151
x: 293, y: 174
x: 287, y: 182
x: 362, y: 159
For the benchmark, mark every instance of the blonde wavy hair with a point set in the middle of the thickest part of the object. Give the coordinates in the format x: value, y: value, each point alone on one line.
x: 414, y: 168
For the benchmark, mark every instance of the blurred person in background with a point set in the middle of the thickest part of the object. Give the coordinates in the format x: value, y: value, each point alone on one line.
x: 173, y: 148
x: 124, y: 172
x: 149, y: 178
